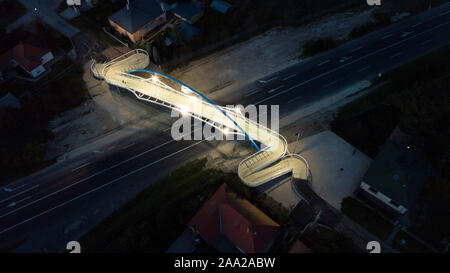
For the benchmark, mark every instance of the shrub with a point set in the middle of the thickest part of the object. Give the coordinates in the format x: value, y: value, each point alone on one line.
x: 313, y: 47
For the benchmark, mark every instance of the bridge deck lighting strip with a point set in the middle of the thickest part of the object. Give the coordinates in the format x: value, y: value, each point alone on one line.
x: 201, y: 95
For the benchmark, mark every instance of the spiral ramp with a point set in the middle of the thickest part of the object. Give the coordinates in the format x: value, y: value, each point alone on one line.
x: 270, y: 162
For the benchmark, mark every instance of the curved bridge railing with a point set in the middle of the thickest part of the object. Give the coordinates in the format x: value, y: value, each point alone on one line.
x: 266, y: 164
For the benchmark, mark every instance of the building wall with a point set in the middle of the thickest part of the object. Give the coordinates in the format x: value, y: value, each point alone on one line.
x: 121, y: 30
x: 37, y: 71
x: 138, y: 35
x: 47, y: 58
x: 382, y: 199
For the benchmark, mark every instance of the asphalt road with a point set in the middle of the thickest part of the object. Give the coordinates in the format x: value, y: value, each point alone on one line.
x: 61, y: 203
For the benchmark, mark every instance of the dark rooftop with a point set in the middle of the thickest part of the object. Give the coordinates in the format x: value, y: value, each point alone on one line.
x: 398, y: 172
x: 186, y: 10
x: 140, y: 13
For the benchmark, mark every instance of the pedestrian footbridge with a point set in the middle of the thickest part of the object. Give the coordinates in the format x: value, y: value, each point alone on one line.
x: 268, y: 163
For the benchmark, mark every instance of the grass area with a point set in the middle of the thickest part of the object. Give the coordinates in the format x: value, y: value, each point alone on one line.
x: 22, y: 148
x: 405, y: 243
x: 366, y: 217
x: 93, y: 29
x: 159, y: 214
x: 93, y: 20
x: 312, y: 47
x: 11, y: 10
x: 13, y: 246
x: 380, y: 20
x: 325, y: 240
x: 415, y: 97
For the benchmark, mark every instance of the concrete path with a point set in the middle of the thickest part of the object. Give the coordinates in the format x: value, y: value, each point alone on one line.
x: 336, y: 166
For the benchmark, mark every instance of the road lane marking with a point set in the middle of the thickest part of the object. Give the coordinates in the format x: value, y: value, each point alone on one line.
x: 356, y: 49
x: 17, y: 194
x: 386, y: 36
x: 364, y: 68
x: 129, y: 145
x: 297, y: 98
x: 269, y: 80
x: 444, y: 13
x: 418, y: 24
x: 95, y: 189
x: 16, y: 188
x: 426, y: 42
x: 406, y: 33
x: 79, y: 167
x: 275, y: 89
x: 12, y: 204
x: 253, y: 92
x: 277, y: 94
x: 343, y: 59
x: 324, y: 62
x: 396, y: 54
x: 290, y: 76
x: 329, y: 84
x: 352, y: 62
x: 89, y: 177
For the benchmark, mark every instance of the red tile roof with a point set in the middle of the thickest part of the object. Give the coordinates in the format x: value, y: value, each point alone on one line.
x: 242, y: 223
x: 27, y: 55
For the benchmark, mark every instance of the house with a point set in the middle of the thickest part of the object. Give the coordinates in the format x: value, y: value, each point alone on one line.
x: 189, y: 12
x: 138, y: 18
x: 82, y: 4
x: 9, y: 100
x: 232, y: 224
x: 396, y: 177
x: 221, y: 6
x: 30, y: 58
x: 299, y: 247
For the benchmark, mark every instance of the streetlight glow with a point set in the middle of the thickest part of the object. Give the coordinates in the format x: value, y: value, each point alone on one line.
x: 184, y: 110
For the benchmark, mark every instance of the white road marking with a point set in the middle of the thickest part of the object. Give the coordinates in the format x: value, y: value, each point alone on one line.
x: 343, y: 59
x: 12, y: 204
x: 277, y: 94
x: 386, y: 36
x: 290, y: 76
x: 79, y: 167
x: 329, y: 84
x: 324, y: 62
x: 396, y: 54
x: 269, y: 80
x: 356, y: 49
x: 93, y: 190
x: 16, y: 188
x: 426, y: 42
x: 418, y: 24
x: 253, y: 92
x: 364, y: 68
x: 129, y: 145
x: 352, y: 62
x: 89, y: 177
x: 406, y: 33
x: 275, y: 89
x: 297, y: 98
x: 444, y: 13
x: 17, y: 194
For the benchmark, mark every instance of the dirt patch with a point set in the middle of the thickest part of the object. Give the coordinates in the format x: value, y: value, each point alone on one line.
x: 269, y: 52
x: 73, y: 128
